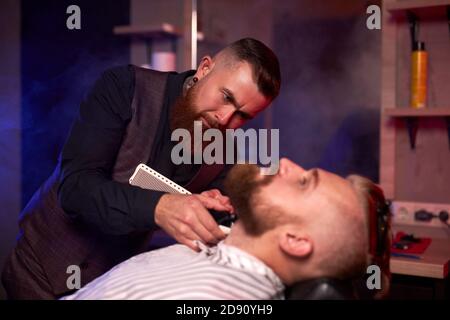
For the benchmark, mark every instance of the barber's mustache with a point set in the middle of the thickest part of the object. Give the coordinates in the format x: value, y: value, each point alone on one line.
x: 211, y: 122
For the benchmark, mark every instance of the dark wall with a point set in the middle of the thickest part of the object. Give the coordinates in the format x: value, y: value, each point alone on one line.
x: 10, y: 162
x: 58, y: 67
x: 328, y: 109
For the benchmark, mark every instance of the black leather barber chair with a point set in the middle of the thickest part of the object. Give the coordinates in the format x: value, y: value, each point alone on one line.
x: 330, y: 289
x: 321, y: 289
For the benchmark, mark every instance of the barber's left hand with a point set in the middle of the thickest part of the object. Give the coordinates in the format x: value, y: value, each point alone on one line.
x: 216, y: 194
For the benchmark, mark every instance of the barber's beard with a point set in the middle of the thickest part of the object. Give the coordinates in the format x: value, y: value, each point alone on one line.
x: 185, y: 112
x: 242, y: 185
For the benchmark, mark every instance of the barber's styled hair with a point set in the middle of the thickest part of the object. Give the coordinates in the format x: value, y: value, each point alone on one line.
x: 266, y: 68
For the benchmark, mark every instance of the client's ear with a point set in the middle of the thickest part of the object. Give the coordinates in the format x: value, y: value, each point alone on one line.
x: 295, y: 244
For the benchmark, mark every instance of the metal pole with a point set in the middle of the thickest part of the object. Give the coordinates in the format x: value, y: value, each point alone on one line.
x: 194, y: 34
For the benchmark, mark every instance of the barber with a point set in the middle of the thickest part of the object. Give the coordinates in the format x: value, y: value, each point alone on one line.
x: 88, y: 216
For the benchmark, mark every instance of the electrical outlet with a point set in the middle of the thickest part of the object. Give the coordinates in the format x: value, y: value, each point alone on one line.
x: 403, y: 213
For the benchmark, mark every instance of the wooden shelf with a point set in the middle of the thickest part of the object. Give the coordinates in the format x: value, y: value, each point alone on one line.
x: 407, y: 172
x: 163, y: 31
x: 414, y: 4
x: 411, y: 117
x: 434, y: 262
x: 152, y: 32
x: 410, y: 112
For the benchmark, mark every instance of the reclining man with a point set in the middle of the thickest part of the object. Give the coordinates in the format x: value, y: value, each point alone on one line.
x: 293, y: 226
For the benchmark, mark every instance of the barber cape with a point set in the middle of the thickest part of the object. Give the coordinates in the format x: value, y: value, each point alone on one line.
x: 177, y: 272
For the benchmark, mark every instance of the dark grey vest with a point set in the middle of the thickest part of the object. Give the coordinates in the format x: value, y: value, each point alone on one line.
x: 59, y: 241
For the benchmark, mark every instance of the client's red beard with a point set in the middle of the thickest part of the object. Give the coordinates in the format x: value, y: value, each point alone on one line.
x: 242, y: 185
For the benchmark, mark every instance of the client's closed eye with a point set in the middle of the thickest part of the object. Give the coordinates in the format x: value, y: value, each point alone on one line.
x: 303, y: 181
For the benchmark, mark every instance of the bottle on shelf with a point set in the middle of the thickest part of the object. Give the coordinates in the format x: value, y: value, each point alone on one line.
x: 419, y: 70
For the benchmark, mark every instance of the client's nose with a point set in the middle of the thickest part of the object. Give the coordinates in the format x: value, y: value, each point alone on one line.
x: 288, y: 167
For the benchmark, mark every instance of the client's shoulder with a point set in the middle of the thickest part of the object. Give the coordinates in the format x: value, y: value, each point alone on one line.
x: 168, y: 254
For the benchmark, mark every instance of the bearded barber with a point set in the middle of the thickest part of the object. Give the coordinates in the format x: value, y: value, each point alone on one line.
x: 87, y: 215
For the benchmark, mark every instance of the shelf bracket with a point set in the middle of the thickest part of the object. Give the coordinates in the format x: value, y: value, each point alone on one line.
x: 447, y: 119
x: 412, y: 125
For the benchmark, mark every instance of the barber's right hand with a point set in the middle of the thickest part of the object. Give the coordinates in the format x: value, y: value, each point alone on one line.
x: 186, y: 218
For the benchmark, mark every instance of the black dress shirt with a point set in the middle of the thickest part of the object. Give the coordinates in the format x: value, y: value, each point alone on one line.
x: 86, y: 189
